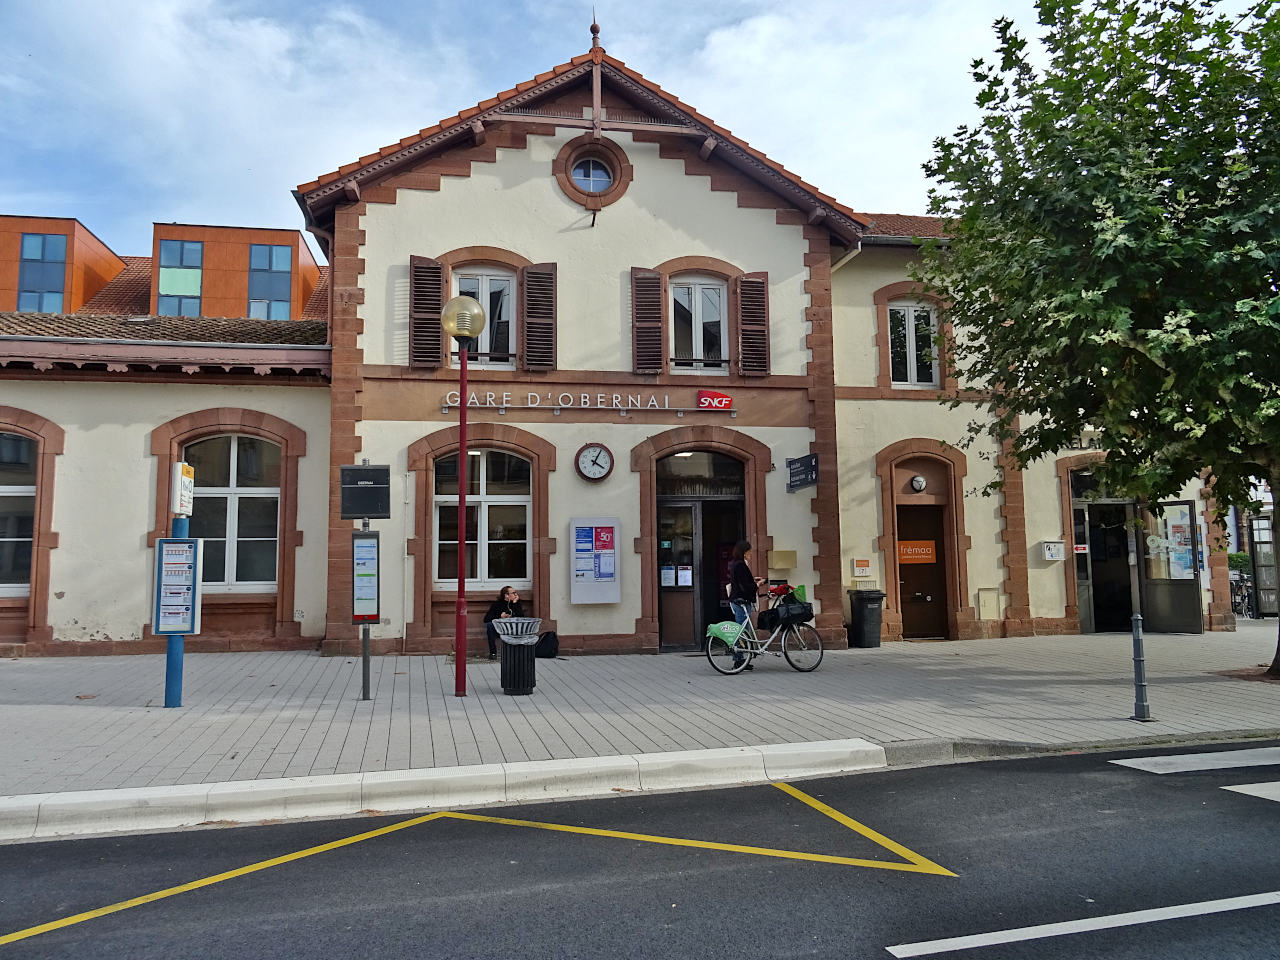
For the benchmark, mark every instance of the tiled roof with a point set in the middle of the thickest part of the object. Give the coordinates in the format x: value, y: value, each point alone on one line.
x: 170, y: 329
x: 317, y: 306
x: 471, y: 112
x: 128, y: 293
x: 903, y: 225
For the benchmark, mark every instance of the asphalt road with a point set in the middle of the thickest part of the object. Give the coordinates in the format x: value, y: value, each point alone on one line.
x: 924, y: 854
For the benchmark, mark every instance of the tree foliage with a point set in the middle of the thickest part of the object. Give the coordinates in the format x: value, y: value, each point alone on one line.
x: 1115, y: 242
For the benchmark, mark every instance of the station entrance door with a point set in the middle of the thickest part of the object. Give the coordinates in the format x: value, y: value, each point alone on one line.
x: 701, y: 515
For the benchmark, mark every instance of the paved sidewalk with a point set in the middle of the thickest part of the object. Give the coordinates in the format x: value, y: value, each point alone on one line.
x: 75, y: 724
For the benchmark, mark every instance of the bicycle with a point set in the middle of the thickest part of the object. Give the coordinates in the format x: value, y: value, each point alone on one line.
x: 730, y: 646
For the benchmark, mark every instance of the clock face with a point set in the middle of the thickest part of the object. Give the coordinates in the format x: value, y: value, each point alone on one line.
x: 594, y: 462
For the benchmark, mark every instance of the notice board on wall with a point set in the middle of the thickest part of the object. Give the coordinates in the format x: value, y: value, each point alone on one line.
x: 594, y: 574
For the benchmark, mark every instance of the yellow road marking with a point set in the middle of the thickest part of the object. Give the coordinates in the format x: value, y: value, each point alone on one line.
x: 209, y: 881
x: 914, y: 862
x: 917, y: 865
x: 923, y: 864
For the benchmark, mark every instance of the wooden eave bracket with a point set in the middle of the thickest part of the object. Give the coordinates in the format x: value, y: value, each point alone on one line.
x: 708, y: 145
x: 477, y: 132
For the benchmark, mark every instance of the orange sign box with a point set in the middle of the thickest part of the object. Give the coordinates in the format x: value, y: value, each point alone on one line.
x: 916, y: 551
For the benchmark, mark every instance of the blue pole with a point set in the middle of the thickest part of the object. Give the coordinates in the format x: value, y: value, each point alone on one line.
x: 173, y: 652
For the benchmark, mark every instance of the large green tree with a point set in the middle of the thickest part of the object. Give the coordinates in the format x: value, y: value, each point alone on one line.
x: 1115, y: 242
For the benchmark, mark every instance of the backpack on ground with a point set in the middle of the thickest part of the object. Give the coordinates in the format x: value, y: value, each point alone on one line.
x: 548, y: 646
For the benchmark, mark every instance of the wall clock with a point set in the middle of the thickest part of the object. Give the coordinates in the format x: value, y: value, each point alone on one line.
x: 594, y: 462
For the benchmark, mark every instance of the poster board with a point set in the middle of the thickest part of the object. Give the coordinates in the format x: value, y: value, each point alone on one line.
x: 594, y: 562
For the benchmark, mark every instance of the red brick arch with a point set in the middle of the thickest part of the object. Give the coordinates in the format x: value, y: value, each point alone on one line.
x: 757, y: 462
x: 420, y: 635
x: 236, y: 614
x: 26, y: 619
x: 962, y: 620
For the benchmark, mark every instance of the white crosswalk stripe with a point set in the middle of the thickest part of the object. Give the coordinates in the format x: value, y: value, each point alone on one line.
x: 1267, y: 791
x: 1219, y: 760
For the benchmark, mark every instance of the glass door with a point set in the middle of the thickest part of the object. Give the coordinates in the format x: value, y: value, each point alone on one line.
x: 679, y: 569
x: 1170, y: 552
x: 1084, y: 571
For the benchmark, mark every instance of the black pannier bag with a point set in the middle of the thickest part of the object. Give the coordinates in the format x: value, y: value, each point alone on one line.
x: 768, y: 619
x: 794, y: 611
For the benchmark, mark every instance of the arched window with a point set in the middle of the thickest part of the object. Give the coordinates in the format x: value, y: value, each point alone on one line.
x: 18, y: 466
x: 699, y: 324
x: 913, y: 351
x: 495, y: 289
x: 237, y: 511
x: 499, y: 505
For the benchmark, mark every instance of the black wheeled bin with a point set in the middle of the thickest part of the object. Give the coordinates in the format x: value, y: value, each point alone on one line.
x: 864, y: 616
x: 519, y: 641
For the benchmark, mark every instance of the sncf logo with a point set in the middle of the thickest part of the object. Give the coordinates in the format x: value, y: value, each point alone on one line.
x: 714, y: 400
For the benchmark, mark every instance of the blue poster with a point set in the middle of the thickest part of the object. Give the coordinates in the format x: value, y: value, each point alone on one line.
x: 584, y: 539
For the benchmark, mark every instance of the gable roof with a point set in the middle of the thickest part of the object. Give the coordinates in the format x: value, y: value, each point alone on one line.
x: 897, y: 229
x: 668, y: 115
x: 128, y: 292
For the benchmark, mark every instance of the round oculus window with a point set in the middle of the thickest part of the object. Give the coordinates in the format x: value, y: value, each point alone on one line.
x: 592, y: 175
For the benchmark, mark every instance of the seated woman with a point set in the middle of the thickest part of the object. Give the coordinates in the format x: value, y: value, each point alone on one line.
x: 507, y: 605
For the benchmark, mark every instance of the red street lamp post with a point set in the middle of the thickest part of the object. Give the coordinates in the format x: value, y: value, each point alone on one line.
x: 463, y: 319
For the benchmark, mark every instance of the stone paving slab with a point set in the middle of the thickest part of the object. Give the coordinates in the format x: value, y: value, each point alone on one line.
x: 95, y: 723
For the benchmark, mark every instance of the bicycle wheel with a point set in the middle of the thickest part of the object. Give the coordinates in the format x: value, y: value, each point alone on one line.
x: 721, y: 656
x: 802, y: 647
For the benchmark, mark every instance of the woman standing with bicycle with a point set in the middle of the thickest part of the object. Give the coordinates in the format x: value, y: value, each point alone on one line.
x: 744, y: 589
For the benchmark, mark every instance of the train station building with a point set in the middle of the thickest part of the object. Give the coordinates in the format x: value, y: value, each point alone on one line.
x: 685, y: 343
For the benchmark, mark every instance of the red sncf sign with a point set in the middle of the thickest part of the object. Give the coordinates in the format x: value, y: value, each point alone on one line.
x: 714, y: 400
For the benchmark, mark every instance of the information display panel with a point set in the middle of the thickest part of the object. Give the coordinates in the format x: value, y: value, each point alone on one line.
x: 594, y: 575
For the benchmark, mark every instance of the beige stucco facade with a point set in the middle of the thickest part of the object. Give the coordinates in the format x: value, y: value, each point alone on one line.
x: 106, y: 486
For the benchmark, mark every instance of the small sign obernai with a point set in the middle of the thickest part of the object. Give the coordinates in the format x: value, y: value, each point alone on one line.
x: 916, y: 551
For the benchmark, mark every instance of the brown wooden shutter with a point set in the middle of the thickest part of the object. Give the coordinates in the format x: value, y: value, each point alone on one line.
x: 427, y: 295
x: 751, y: 294
x: 537, y: 316
x: 648, y: 306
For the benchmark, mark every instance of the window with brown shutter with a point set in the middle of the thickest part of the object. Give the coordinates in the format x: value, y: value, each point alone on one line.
x: 647, y: 298
x: 427, y: 296
x: 537, y: 316
x: 751, y: 294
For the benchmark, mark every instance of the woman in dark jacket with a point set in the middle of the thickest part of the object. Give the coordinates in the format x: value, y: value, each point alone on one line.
x: 744, y: 587
x: 507, y: 605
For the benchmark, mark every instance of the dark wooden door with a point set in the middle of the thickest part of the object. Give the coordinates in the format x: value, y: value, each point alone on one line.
x: 922, y: 576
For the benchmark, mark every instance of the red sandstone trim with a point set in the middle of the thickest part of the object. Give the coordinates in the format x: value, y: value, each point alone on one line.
x: 423, y: 635
x: 756, y: 460
x: 167, y: 441
x: 961, y: 619
x: 50, y: 438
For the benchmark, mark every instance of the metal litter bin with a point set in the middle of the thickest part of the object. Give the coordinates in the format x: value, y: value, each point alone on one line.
x: 864, y: 616
x: 519, y: 638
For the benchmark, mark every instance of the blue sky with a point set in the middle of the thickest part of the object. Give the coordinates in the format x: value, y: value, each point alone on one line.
x: 123, y: 112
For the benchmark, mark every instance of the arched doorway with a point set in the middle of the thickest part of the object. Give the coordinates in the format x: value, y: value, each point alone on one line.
x: 924, y: 541
x: 701, y: 515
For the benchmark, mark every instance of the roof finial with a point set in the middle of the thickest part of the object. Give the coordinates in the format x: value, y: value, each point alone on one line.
x: 595, y: 30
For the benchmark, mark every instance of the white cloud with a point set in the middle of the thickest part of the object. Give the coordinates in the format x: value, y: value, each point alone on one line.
x: 210, y: 111
x: 219, y: 113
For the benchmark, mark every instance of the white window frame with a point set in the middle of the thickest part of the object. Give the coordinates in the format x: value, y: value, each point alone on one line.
x: 477, y: 459
x: 912, y: 382
x: 696, y: 365
x: 485, y: 274
x: 234, y: 495
x: 23, y: 490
